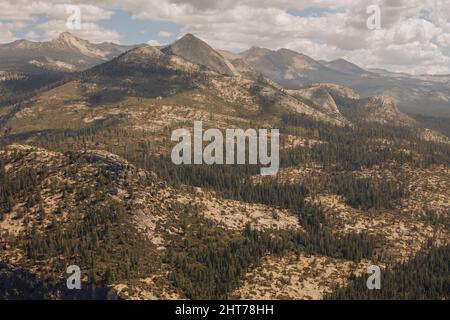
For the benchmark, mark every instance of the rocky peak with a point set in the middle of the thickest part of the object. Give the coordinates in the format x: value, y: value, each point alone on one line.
x: 383, y: 101
x: 195, y: 50
x: 254, y: 53
x: 145, y: 50
x: 69, y: 41
x: 383, y: 108
x: 144, y: 55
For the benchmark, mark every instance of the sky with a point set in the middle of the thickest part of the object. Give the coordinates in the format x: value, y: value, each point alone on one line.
x: 413, y: 36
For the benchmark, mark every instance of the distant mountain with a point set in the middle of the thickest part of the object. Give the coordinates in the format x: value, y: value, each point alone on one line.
x: 345, y: 105
x: 66, y: 53
x: 295, y: 70
x: 423, y: 94
x: 344, y: 66
x: 166, y: 73
x: 199, y: 52
x: 283, y: 66
x: 149, y: 72
x: 387, y: 73
x: 240, y: 64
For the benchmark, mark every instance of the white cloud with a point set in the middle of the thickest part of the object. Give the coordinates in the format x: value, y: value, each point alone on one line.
x: 5, y: 33
x: 22, y: 13
x: 165, y: 34
x: 154, y: 43
x: 32, y: 35
x: 89, y: 31
x: 407, y: 41
x: 28, y: 10
x: 444, y: 40
x: 16, y: 10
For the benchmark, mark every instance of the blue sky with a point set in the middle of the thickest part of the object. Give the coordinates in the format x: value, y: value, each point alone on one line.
x: 31, y: 27
x: 134, y: 31
x: 313, y: 11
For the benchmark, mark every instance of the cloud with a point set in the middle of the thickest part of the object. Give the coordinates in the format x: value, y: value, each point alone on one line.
x: 415, y: 34
x: 165, y: 34
x: 32, y: 35
x: 88, y: 31
x: 154, y: 43
x: 444, y: 40
x: 16, y: 10
x: 28, y: 10
x: 5, y: 33
x: 26, y: 15
x: 339, y: 31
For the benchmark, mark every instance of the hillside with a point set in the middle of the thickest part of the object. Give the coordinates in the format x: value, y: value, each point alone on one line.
x: 86, y: 178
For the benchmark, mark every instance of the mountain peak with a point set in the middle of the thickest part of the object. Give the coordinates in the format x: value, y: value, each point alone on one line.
x: 384, y: 99
x: 344, y: 66
x: 21, y: 44
x: 68, y: 40
x: 190, y: 40
x: 149, y: 59
x: 67, y: 37
x: 190, y: 37
x: 141, y: 54
x: 289, y: 51
x: 340, y: 60
x: 297, y: 58
x: 282, y: 66
x: 195, y: 50
x: 146, y: 49
x: 255, y: 52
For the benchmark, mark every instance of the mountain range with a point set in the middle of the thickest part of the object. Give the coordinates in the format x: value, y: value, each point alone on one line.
x: 66, y: 53
x: 424, y: 95
x: 86, y: 177
x: 277, y: 78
